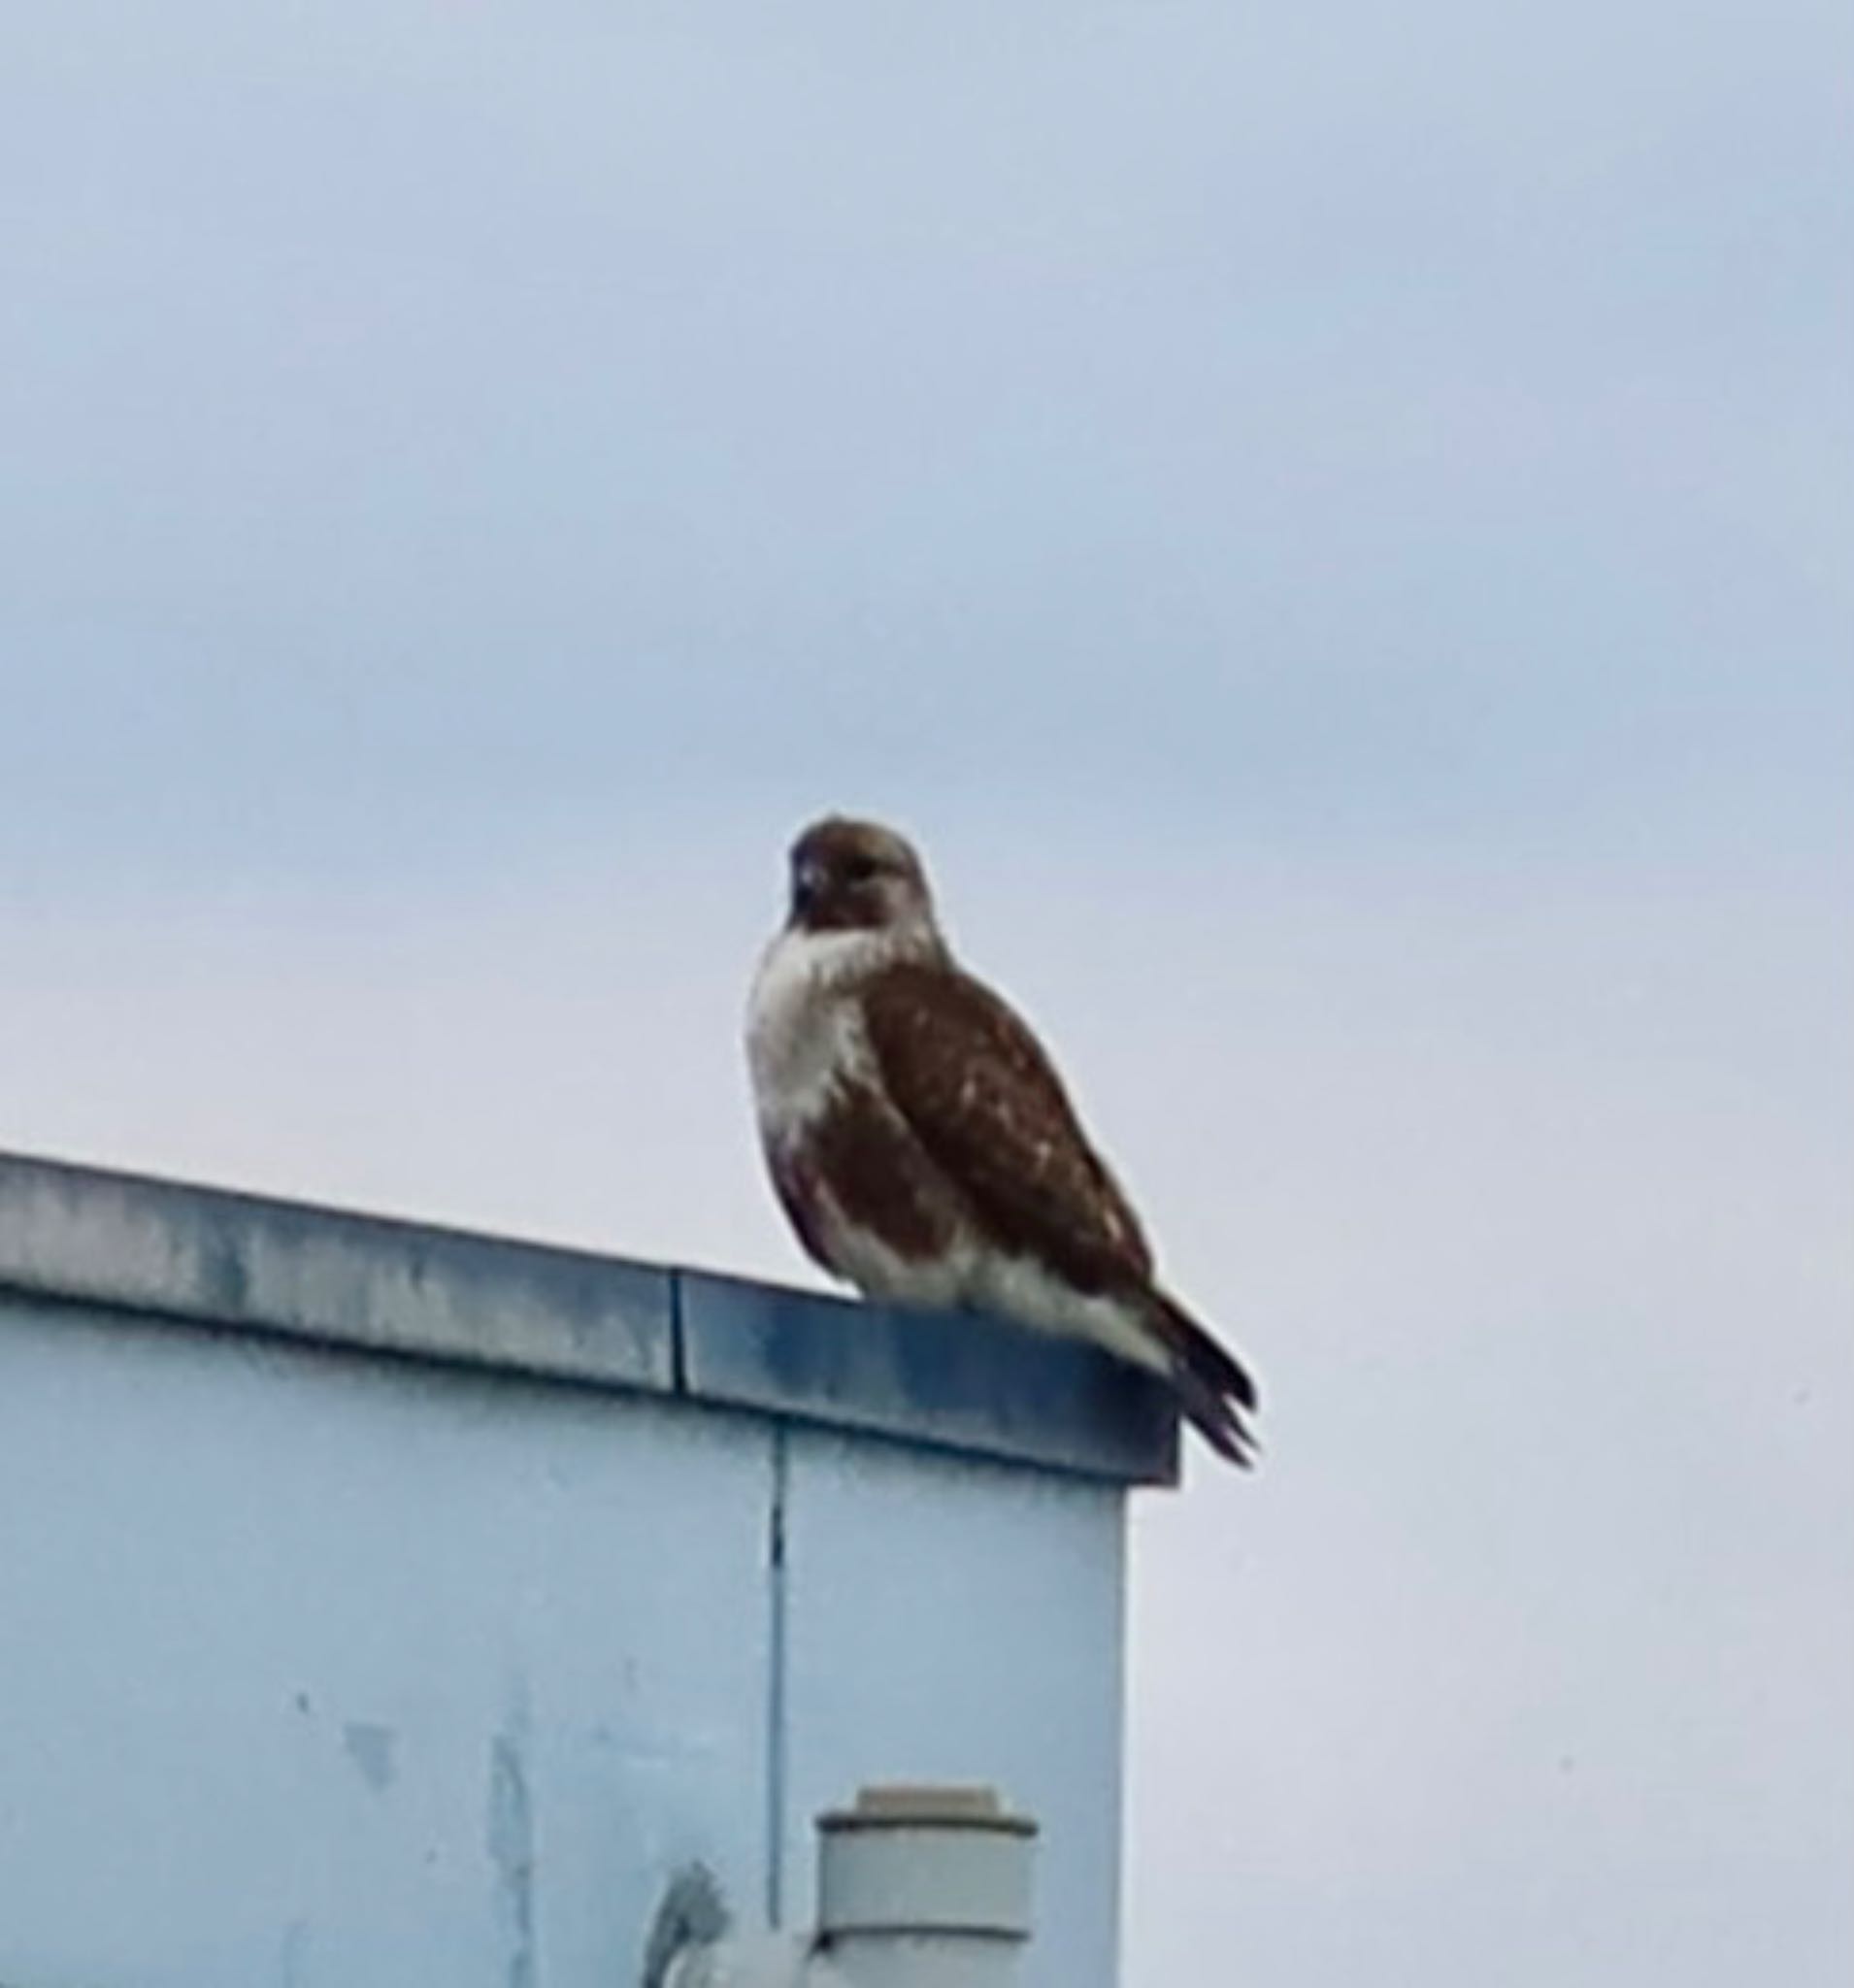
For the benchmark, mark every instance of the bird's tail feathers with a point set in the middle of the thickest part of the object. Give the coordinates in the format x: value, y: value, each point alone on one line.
x: 1214, y: 1386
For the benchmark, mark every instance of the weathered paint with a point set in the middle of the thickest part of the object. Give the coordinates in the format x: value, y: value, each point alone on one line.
x: 954, y: 1381
x: 221, y: 1560
x: 170, y: 1250
x: 325, y: 1669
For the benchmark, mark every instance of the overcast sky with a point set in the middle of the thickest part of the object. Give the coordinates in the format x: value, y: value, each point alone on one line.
x: 1332, y: 526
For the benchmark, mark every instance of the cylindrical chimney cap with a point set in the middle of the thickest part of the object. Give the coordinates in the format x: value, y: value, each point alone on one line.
x: 928, y: 1804
x: 910, y: 1861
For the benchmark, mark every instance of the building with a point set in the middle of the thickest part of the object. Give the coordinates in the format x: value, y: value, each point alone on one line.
x: 385, y: 1606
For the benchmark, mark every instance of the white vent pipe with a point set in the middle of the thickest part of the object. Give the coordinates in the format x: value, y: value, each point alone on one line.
x: 918, y: 1887
x: 921, y: 1887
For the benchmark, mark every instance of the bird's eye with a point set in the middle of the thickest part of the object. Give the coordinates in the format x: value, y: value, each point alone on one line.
x: 861, y: 870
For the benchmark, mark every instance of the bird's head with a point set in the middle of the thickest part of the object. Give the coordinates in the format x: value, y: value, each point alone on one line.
x: 859, y: 876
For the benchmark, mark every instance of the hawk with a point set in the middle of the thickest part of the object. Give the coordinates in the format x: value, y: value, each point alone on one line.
x: 922, y: 1144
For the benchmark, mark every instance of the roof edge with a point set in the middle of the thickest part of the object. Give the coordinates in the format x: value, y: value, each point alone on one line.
x: 161, y: 1250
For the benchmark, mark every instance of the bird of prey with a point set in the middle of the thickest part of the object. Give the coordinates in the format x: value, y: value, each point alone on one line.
x: 922, y: 1144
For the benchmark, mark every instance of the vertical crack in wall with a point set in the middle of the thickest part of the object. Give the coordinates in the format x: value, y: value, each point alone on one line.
x: 777, y: 1571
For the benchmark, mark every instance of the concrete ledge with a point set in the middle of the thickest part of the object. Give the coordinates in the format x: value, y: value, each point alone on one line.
x: 166, y: 1250
x: 237, y: 1261
x: 961, y: 1382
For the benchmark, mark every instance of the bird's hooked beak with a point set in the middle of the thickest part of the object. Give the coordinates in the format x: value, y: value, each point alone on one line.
x: 808, y: 888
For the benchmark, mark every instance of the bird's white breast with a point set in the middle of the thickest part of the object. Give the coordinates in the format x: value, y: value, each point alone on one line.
x: 805, y: 1036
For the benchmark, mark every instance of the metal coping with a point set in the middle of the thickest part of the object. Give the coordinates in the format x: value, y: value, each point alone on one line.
x: 159, y: 1250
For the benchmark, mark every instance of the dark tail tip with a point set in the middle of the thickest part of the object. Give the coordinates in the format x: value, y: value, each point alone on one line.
x: 1213, y: 1387
x: 1221, y: 1427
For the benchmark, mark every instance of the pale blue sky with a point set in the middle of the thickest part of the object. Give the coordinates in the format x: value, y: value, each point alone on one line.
x: 481, y: 423
x: 1334, y: 529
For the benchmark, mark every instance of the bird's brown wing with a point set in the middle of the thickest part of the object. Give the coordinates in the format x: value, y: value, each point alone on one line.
x: 977, y: 1090
x: 795, y: 1185
x: 974, y: 1088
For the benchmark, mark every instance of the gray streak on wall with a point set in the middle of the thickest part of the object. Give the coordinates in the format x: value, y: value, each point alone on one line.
x: 370, y: 1748
x: 512, y: 1850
